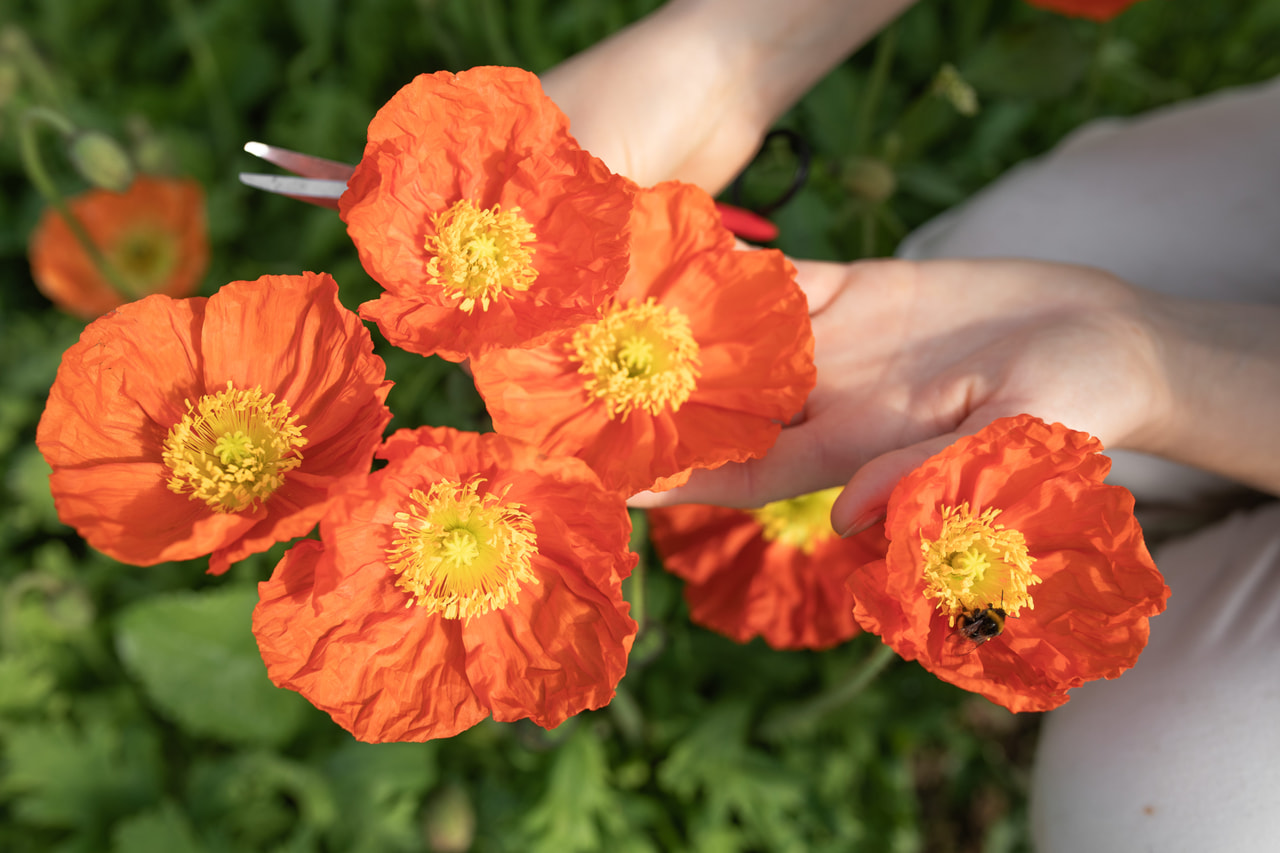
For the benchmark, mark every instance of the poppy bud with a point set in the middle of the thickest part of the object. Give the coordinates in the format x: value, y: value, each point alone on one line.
x: 450, y: 821
x: 955, y: 90
x: 101, y: 160
x: 871, y: 179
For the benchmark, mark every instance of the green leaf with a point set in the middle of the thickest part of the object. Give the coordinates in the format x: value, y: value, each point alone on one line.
x: 381, y: 788
x: 732, y: 783
x: 24, y: 686
x: 197, y: 660
x: 61, y: 776
x: 160, y: 830
x: 579, y: 805
x: 1042, y: 60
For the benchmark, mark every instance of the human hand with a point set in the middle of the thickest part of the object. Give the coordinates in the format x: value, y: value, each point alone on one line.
x: 911, y: 356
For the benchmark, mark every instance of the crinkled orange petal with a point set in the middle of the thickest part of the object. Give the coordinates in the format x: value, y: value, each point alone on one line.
x: 1097, y: 10
x: 335, y: 627
x: 1099, y: 585
x: 126, y: 382
x: 751, y: 323
x: 323, y: 364
x: 743, y: 586
x: 171, y: 210
x: 359, y: 654
x: 488, y: 135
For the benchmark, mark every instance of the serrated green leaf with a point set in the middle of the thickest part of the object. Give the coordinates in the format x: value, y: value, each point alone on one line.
x: 730, y: 782
x: 61, y: 776
x: 381, y: 788
x: 24, y: 686
x: 579, y: 805
x: 197, y: 660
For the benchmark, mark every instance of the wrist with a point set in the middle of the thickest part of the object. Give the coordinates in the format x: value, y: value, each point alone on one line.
x: 1221, y: 364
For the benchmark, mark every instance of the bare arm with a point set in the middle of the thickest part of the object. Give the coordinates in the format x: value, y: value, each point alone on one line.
x: 689, y: 91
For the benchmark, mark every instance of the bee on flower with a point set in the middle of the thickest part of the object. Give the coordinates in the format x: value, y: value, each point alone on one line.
x: 1010, y: 541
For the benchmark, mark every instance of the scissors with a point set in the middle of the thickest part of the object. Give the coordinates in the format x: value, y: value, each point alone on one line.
x: 318, y: 181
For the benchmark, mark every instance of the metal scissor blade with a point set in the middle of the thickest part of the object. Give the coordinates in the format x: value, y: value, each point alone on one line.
x: 301, y: 164
x: 312, y: 190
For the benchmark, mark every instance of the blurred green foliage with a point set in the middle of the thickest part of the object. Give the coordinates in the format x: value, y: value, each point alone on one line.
x: 134, y: 713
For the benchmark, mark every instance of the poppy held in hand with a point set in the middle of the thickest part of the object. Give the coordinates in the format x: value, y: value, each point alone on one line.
x: 472, y: 576
x: 779, y: 572
x: 480, y: 216
x: 1013, y: 571
x: 700, y: 358
x: 152, y: 235
x: 179, y: 428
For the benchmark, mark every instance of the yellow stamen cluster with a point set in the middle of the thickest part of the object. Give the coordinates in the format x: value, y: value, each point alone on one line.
x: 480, y: 255
x: 232, y: 449
x: 460, y: 553
x: 976, y: 563
x: 638, y: 356
x: 803, y: 522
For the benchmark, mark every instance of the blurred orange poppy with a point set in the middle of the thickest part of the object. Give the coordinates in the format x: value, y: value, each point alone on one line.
x: 178, y: 428
x: 779, y: 572
x: 153, y: 235
x: 470, y: 577
x: 1013, y: 571
x: 700, y: 358
x: 1097, y: 10
x: 482, y: 219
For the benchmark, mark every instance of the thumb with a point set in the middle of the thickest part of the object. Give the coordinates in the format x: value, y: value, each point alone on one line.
x: 866, y: 496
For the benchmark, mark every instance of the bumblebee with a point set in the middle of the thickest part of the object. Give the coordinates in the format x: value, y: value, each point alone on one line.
x: 981, y: 624
x: 976, y: 627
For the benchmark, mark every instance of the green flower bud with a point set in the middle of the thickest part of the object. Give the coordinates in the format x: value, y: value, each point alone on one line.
x: 101, y: 160
x: 450, y: 820
x: 871, y: 179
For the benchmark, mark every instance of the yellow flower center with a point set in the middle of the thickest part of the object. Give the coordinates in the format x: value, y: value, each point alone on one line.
x: 460, y: 553
x: 480, y: 255
x: 976, y: 563
x: 144, y: 257
x: 232, y: 449
x: 641, y: 356
x: 803, y: 522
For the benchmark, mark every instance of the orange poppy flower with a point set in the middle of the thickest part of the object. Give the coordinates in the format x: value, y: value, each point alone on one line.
x: 779, y: 572
x: 1013, y: 571
x: 178, y: 428
x: 472, y: 576
x: 481, y: 217
x: 701, y: 357
x: 153, y: 235
x: 1097, y: 10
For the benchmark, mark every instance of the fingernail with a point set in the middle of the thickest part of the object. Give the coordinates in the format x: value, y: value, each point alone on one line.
x: 864, y: 522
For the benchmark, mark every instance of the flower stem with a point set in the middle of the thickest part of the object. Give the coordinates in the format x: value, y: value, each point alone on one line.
x: 29, y: 148
x: 885, y: 47
x: 800, y: 717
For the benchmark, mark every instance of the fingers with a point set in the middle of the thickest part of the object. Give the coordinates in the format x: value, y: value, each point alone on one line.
x: 798, y: 463
x: 866, y: 495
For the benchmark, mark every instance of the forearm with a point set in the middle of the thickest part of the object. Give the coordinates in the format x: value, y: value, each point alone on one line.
x: 689, y: 91
x: 1222, y: 361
